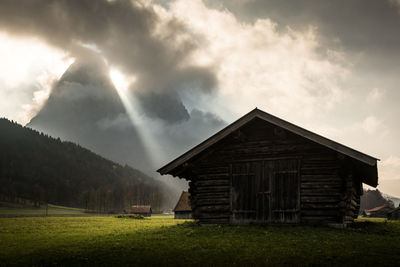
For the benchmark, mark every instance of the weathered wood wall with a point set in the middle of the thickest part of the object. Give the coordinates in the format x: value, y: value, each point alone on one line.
x: 326, y: 189
x: 183, y: 215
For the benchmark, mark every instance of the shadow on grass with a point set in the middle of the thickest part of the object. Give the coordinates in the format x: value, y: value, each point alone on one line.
x: 188, y: 244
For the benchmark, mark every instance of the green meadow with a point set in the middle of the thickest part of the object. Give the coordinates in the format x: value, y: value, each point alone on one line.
x: 161, y: 240
x: 11, y: 210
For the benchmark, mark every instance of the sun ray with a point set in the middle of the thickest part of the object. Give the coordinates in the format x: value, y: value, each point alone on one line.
x: 122, y: 84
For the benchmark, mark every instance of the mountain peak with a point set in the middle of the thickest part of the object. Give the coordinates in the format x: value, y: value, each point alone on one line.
x: 84, y: 107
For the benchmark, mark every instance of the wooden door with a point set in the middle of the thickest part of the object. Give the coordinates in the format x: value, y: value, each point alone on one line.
x: 263, y: 196
x: 245, y: 179
x: 285, y: 193
x: 265, y: 191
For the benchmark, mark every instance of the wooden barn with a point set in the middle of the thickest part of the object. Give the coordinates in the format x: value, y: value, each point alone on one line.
x: 141, y: 210
x: 182, y: 209
x: 262, y: 169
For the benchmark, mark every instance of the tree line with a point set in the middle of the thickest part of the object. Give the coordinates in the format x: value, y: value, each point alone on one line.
x: 41, y: 168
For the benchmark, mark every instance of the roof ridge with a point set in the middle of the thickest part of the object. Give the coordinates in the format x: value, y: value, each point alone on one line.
x: 257, y: 113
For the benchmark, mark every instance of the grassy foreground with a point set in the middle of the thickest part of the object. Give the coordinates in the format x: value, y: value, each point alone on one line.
x: 164, y: 241
x: 52, y: 210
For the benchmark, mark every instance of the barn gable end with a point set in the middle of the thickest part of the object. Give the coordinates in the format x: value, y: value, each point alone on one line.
x: 259, y: 170
x: 183, y: 209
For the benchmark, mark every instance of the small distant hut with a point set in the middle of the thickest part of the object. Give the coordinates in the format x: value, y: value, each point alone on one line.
x: 262, y: 169
x: 141, y: 210
x: 394, y: 214
x: 378, y: 212
x: 182, y: 209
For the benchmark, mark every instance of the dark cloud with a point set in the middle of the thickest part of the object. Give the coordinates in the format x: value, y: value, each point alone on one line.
x: 365, y: 32
x: 356, y: 26
x: 160, y: 96
x: 178, y: 138
x: 358, y: 23
x: 128, y: 34
x: 166, y: 106
x: 206, y: 118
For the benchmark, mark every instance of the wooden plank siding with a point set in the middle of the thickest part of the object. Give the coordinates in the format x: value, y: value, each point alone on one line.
x: 210, y: 197
x: 228, y: 181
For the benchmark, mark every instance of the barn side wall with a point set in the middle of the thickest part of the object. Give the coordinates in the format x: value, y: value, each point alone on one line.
x: 210, y: 194
x: 352, y: 198
x: 328, y: 193
x: 183, y: 215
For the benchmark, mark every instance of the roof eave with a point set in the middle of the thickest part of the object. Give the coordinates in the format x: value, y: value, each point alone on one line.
x: 256, y: 113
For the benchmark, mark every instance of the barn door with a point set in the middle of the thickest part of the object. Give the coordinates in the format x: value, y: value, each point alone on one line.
x: 246, y: 177
x: 265, y: 191
x: 285, y: 191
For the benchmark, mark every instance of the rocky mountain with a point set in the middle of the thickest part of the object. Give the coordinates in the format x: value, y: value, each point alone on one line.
x: 84, y: 107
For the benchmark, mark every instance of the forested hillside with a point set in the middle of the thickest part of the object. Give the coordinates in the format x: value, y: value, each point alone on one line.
x: 44, y: 169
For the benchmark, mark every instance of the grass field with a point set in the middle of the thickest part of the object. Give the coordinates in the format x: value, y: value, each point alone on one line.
x: 9, y: 209
x: 161, y: 240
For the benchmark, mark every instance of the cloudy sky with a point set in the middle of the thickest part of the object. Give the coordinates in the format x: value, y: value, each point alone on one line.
x: 329, y: 66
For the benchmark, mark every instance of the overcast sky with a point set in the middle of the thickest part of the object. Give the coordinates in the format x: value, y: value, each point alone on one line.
x: 329, y: 66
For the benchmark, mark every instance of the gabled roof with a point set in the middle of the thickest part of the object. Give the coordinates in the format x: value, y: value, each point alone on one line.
x: 140, y: 209
x: 183, y: 202
x: 256, y: 113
